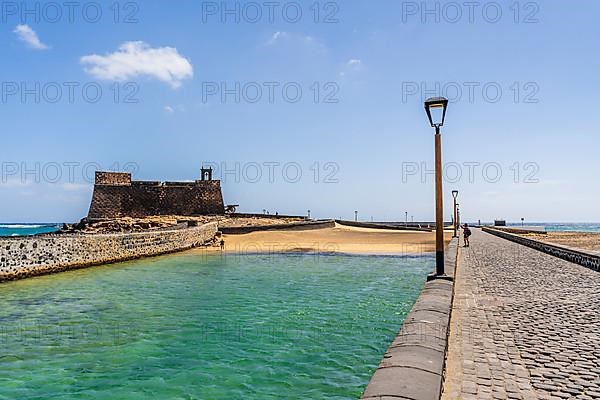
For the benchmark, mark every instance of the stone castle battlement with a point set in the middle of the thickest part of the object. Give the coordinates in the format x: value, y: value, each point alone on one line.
x: 116, y: 195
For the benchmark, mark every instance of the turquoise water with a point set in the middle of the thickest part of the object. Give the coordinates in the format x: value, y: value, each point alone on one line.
x: 191, y: 326
x: 27, y: 229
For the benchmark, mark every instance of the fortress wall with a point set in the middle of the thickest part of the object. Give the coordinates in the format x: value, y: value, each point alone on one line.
x: 114, y: 198
x: 203, y: 197
x: 113, y: 178
x: 22, y: 257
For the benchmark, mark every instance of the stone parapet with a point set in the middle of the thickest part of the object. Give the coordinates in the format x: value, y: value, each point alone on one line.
x: 23, y: 257
x: 293, y: 226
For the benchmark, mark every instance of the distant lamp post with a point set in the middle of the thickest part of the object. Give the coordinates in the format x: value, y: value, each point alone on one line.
x: 436, y: 112
x: 356, y: 216
x: 308, y: 214
x: 522, y: 222
x: 455, y: 195
x: 406, y: 218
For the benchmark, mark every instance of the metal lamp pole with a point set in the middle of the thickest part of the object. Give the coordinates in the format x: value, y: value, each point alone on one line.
x: 436, y: 109
x: 439, y: 205
x: 455, y: 195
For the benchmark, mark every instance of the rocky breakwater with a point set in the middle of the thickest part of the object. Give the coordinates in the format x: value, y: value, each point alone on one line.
x: 22, y: 257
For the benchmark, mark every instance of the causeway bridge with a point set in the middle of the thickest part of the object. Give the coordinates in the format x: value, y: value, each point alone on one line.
x: 524, y: 325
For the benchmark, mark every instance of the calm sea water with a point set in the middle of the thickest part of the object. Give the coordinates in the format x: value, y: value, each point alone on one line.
x: 191, y: 326
x: 27, y: 229
x: 566, y: 227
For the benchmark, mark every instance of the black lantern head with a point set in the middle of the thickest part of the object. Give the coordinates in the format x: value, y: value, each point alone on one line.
x: 455, y: 193
x: 436, y: 110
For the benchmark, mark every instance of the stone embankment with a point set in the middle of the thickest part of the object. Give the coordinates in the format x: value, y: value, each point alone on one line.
x: 22, y: 257
x: 380, y: 225
x: 413, y: 366
x: 292, y: 226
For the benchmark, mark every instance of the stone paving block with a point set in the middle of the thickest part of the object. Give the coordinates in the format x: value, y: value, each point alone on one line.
x: 414, y: 356
x: 412, y: 383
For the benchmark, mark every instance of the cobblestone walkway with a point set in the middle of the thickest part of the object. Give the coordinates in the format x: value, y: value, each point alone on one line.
x: 525, y: 325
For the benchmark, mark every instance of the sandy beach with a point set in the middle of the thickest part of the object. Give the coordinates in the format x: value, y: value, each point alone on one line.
x: 578, y: 240
x: 341, y: 239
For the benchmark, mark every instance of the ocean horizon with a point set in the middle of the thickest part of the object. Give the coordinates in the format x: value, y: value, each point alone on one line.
x: 29, y: 229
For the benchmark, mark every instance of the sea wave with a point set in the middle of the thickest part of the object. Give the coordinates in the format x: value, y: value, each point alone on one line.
x: 21, y: 226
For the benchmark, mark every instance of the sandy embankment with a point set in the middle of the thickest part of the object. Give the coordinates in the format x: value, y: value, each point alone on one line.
x: 341, y: 239
x: 579, y: 240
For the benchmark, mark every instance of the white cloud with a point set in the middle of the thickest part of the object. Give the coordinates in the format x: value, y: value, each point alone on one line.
x: 351, y: 66
x: 14, y: 182
x: 295, y: 39
x: 276, y: 36
x: 134, y: 59
x: 28, y: 35
x: 169, y: 109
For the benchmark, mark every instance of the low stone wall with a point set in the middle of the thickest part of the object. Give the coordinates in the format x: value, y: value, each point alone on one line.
x: 379, y: 225
x: 22, y: 257
x: 268, y: 216
x: 413, y: 366
x: 575, y: 256
x: 294, y: 226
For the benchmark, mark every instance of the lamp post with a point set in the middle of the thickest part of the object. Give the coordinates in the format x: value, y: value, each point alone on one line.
x: 455, y: 195
x: 355, y: 216
x: 406, y: 218
x: 308, y: 214
x: 436, y: 112
x: 522, y: 222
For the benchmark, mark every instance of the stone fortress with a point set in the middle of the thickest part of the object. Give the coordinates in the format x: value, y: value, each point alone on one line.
x: 116, y: 195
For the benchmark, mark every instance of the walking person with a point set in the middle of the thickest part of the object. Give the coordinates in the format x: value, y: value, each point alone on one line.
x: 222, y: 243
x: 467, y: 234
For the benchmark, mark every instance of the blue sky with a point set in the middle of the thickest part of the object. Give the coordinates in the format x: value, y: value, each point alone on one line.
x: 357, y: 133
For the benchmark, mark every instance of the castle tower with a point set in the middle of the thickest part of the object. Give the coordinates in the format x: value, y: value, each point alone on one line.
x: 206, y: 174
